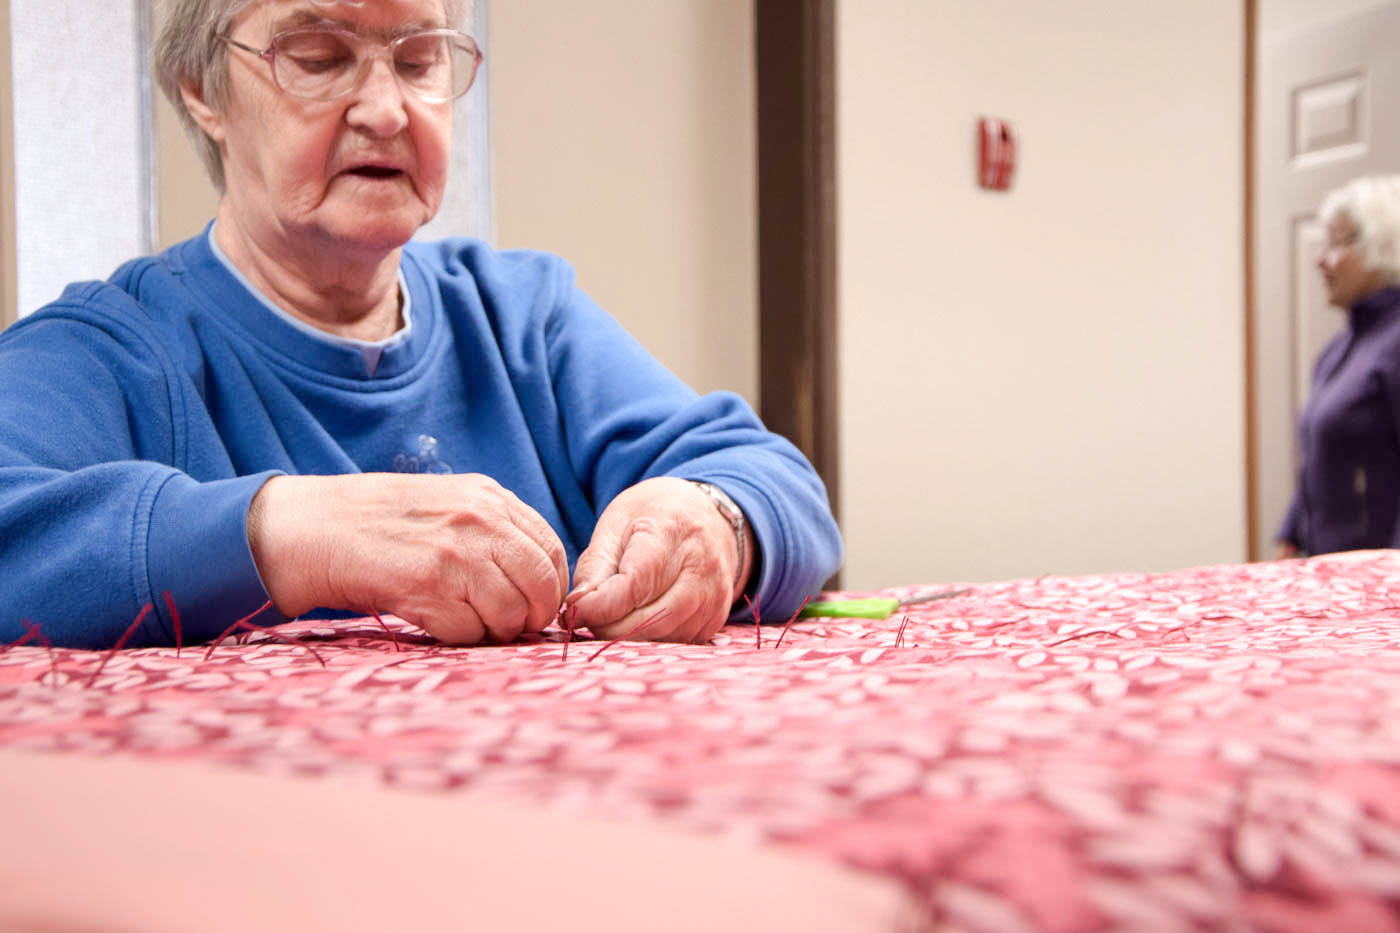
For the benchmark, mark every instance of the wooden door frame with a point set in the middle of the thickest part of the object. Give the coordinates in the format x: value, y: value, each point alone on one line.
x: 795, y: 53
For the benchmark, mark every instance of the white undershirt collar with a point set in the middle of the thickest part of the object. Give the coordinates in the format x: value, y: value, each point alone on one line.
x: 371, y: 350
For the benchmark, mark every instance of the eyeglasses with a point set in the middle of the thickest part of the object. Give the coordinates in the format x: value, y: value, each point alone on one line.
x: 320, y: 63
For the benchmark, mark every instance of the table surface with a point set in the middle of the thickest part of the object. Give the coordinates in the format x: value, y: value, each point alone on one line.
x: 1212, y: 746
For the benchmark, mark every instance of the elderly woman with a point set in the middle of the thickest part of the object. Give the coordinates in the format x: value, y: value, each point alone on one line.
x: 1348, y: 494
x: 300, y: 406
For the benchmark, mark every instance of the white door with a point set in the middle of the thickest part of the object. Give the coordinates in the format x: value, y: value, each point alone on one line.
x: 1328, y: 110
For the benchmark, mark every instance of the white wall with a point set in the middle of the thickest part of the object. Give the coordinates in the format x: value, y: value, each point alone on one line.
x: 9, y: 293
x: 81, y: 186
x: 623, y: 136
x: 1049, y: 379
x: 1276, y: 16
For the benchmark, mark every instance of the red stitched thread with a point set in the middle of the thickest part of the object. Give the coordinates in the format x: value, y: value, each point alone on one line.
x: 392, y: 637
x: 566, y: 614
x: 174, y: 620
x: 757, y: 622
x: 28, y: 636
x: 1079, y: 635
x: 130, y: 630
x: 241, y: 623
x: 660, y: 614
x: 249, y: 628
x: 791, y: 620
x: 23, y: 639
x: 899, y: 637
x: 48, y: 646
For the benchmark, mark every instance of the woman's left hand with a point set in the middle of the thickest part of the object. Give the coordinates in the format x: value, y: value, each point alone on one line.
x: 660, y: 566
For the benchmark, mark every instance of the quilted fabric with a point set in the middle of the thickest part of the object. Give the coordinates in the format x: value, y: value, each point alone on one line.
x: 1217, y: 747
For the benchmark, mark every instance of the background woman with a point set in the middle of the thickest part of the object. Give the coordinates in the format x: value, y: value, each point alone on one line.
x: 1348, y: 493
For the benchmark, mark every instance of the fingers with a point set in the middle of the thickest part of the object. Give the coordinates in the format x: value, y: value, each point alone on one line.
x: 465, y: 605
x: 452, y: 623
x: 519, y: 587
x: 547, y: 545
x: 659, y: 567
x: 612, y: 582
x: 460, y: 556
x: 467, y: 560
x: 498, y: 602
x: 515, y: 586
x: 598, y: 562
x: 690, y: 614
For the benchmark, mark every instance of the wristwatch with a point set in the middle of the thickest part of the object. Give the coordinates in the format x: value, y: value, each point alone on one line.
x: 732, y: 514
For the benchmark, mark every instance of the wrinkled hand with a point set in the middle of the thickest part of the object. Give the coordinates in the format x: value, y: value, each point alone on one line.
x: 661, y: 552
x: 459, y: 556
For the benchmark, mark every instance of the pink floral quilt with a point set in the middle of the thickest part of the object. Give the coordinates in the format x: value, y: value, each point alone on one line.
x: 1212, y: 748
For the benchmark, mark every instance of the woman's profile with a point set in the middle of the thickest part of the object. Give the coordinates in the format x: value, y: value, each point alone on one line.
x: 1348, y: 492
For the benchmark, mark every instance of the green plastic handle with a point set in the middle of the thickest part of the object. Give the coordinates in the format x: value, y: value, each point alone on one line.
x: 853, y: 608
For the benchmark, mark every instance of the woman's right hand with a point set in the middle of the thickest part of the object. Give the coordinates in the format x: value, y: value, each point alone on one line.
x: 1284, y: 550
x: 460, y: 556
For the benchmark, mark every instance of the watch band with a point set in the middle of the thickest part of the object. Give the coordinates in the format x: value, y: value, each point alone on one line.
x: 733, y: 515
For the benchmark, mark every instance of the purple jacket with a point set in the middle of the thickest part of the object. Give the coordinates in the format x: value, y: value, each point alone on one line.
x: 1348, y: 494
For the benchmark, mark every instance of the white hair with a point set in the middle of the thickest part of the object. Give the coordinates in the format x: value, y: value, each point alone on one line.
x: 1372, y: 204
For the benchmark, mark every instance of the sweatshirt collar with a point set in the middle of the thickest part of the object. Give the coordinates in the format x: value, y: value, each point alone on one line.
x: 1375, y: 307
x: 241, y: 305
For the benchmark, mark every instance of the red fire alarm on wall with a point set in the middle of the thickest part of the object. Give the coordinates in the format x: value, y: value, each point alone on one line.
x: 996, y: 153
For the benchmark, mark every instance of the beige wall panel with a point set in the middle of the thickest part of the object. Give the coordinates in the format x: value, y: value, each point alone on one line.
x: 1277, y: 16
x: 1047, y: 380
x: 623, y: 140
x: 187, y: 200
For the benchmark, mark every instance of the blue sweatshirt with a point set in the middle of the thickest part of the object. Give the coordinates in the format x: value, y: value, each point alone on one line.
x: 1348, y: 494
x: 138, y: 418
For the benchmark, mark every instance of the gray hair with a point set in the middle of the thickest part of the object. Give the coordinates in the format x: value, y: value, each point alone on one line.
x: 1372, y: 203
x: 188, y: 51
